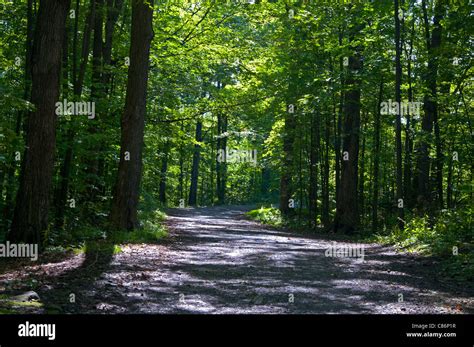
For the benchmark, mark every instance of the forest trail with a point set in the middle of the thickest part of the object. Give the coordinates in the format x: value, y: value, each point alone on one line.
x: 217, y: 261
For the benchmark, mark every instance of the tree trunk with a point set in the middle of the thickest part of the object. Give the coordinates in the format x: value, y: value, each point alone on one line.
x: 338, y: 124
x: 347, y: 212
x: 265, y: 185
x: 313, y: 170
x: 123, y: 214
x: 398, y: 122
x: 424, y: 198
x: 286, y: 190
x: 375, y: 191
x: 407, y: 179
x: 361, y: 175
x: 439, y: 162
x: 325, y: 176
x: 163, y: 172
x: 181, y: 171
x: 221, y: 167
x: 195, y: 168
x: 30, y: 218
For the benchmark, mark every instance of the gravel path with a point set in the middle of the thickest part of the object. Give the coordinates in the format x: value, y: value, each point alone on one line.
x: 217, y: 261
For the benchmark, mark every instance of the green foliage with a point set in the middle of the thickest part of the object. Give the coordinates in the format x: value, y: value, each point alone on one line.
x: 105, y: 247
x: 152, y: 230
x: 449, y: 236
x: 266, y: 215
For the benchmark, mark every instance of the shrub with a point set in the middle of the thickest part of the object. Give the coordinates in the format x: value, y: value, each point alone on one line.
x: 266, y: 215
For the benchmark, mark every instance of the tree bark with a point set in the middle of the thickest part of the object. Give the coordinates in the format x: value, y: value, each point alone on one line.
x: 181, y: 171
x: 433, y: 44
x: 195, y: 168
x: 313, y: 170
x: 30, y: 218
x: 338, y: 124
x: 123, y: 214
x: 398, y: 122
x: 347, y: 212
x: 407, y: 179
x: 286, y: 190
x: 325, y: 176
x: 375, y: 190
x: 221, y: 167
x: 163, y: 172
x: 361, y: 174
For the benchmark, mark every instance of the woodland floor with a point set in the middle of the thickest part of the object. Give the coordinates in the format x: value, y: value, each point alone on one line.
x: 217, y: 261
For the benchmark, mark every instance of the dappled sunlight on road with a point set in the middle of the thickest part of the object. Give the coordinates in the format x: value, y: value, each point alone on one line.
x: 219, y: 262
x: 216, y: 261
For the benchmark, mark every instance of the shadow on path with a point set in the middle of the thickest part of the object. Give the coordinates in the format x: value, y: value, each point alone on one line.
x: 215, y: 261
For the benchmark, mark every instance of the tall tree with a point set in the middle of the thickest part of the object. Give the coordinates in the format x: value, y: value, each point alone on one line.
x: 193, y: 188
x: 325, y: 174
x: 124, y: 214
x: 407, y: 176
x: 375, y: 174
x: 288, y: 135
x: 313, y: 163
x: 398, y: 122
x: 221, y: 166
x: 286, y: 189
x: 347, y: 212
x: 33, y: 198
x: 163, y: 172
x: 433, y: 43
